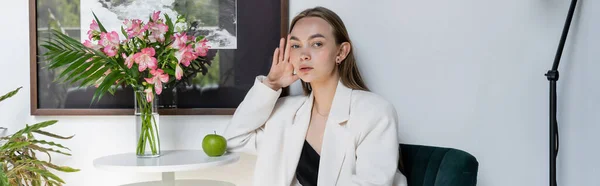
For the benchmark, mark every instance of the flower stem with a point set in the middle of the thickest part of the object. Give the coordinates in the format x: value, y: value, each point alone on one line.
x: 148, y: 127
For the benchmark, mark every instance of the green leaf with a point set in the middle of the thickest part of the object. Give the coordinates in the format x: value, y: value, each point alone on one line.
x: 169, y: 71
x: 10, y: 94
x: 171, y: 28
x: 78, y: 71
x: 108, y: 81
x: 73, y: 66
x: 94, y: 77
x: 51, y: 134
x: 3, y: 178
x: 49, y: 143
x: 45, y: 173
x: 61, y: 168
x: 99, y: 24
x: 123, y: 32
x: 42, y: 149
x: 14, y: 145
x: 49, y: 47
x: 95, y: 67
x: 32, y: 128
x: 94, y: 74
x: 47, y: 164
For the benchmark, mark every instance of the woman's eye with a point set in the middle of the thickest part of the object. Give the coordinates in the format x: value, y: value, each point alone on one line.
x: 318, y: 44
x: 295, y: 46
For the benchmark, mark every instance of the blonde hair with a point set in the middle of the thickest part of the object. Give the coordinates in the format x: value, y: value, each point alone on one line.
x: 347, y: 69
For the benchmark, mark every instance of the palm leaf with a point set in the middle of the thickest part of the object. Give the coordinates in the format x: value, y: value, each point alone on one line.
x: 78, y: 69
x: 47, y: 164
x: 92, y: 76
x: 76, y: 65
x: 14, y: 145
x: 10, y: 94
x: 60, y: 168
x: 32, y: 128
x: 109, y: 80
x: 45, y: 173
x: 42, y: 149
x: 3, y: 177
x: 99, y: 24
x: 51, y: 134
x: 48, y: 143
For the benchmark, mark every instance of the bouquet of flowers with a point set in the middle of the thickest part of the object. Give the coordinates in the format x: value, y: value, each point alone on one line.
x: 152, y: 54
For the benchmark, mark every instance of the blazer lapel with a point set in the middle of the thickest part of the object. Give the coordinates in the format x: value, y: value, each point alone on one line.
x: 335, y: 138
x: 295, y: 134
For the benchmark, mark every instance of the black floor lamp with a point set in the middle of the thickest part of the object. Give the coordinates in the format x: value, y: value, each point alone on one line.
x: 552, y: 76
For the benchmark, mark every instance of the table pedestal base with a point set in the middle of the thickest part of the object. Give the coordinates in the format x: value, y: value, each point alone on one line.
x: 168, y: 179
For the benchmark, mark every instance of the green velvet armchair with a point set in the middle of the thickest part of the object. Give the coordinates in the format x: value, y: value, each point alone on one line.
x: 437, y: 166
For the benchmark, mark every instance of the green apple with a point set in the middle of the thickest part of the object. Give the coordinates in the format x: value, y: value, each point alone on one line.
x: 214, y: 145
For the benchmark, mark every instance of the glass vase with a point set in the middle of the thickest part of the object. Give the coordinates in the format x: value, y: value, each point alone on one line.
x: 147, y: 125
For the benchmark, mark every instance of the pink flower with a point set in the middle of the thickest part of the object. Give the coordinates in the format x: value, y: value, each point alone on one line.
x: 128, y: 60
x: 149, y: 95
x: 89, y: 44
x: 134, y: 28
x: 201, y: 48
x: 180, y: 40
x: 178, y: 72
x: 145, y: 59
x: 185, y: 55
x: 157, y: 31
x: 155, y: 16
x: 94, y: 29
x: 110, y: 42
x: 158, y: 77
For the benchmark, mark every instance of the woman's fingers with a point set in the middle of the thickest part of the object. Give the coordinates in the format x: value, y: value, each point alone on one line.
x: 281, y: 45
x: 275, y: 57
x: 286, y: 58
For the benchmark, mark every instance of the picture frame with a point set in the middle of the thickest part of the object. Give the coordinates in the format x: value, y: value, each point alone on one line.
x: 255, y: 24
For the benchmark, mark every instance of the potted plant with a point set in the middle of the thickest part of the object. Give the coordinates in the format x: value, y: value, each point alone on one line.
x: 19, y: 164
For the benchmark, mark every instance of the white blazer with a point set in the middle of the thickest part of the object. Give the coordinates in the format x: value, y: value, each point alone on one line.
x: 360, y: 143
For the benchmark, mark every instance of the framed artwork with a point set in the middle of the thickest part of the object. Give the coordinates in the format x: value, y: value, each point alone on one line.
x: 242, y: 35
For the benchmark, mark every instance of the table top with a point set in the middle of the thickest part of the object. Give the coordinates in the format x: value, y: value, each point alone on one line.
x: 169, y: 161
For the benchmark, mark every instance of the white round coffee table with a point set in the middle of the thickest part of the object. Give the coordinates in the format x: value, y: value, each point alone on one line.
x: 168, y: 163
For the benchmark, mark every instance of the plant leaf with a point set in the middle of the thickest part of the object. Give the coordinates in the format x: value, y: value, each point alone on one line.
x: 14, y: 145
x: 60, y: 168
x: 3, y: 177
x: 99, y: 24
x: 34, y: 127
x: 48, y: 143
x: 170, y: 29
x: 45, y: 173
x: 51, y: 134
x: 10, y: 94
x: 42, y: 149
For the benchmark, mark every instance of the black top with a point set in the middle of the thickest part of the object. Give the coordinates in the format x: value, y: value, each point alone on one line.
x: 308, y: 166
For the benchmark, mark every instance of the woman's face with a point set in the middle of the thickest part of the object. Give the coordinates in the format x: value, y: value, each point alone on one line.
x: 313, y: 50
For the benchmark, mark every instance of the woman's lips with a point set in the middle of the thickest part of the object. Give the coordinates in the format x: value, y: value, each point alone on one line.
x: 305, y: 69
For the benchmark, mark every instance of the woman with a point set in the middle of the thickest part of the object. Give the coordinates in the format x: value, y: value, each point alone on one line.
x: 338, y: 133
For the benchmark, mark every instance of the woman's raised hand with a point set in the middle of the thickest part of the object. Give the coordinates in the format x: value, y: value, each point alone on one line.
x: 282, y: 72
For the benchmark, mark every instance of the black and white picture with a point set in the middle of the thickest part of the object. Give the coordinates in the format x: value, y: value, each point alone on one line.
x: 242, y: 35
x: 216, y: 21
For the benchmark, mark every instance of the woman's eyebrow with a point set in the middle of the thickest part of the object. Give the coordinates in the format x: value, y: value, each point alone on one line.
x: 316, y: 35
x: 311, y: 37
